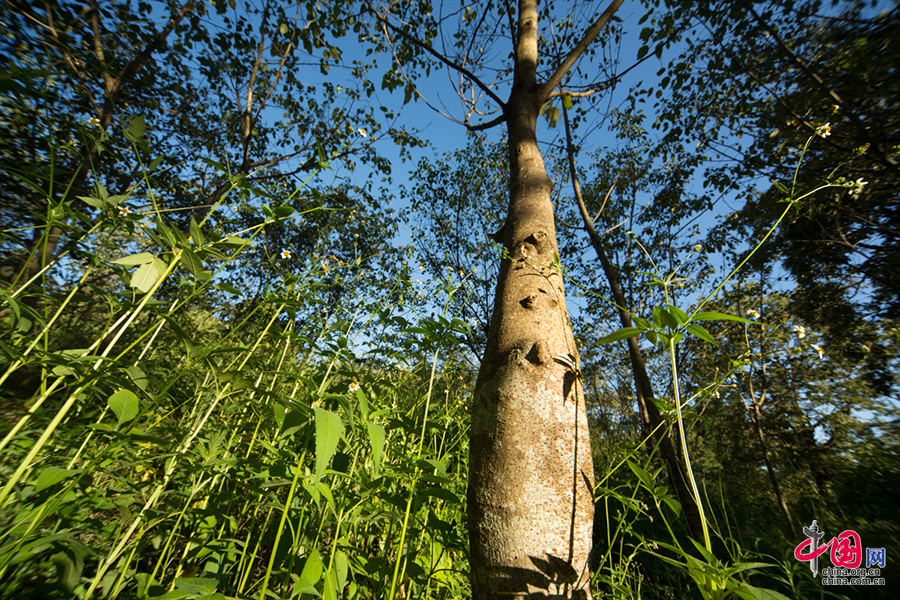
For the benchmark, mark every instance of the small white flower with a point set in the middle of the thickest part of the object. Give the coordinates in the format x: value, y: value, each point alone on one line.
x: 857, y: 186
x: 353, y: 387
x: 824, y: 131
x: 525, y: 251
x: 363, y: 132
x: 753, y: 313
x: 819, y: 350
x: 800, y: 331
x: 285, y: 254
x: 94, y: 121
x: 124, y: 211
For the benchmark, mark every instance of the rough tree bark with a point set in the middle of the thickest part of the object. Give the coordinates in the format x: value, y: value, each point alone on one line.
x: 530, y: 498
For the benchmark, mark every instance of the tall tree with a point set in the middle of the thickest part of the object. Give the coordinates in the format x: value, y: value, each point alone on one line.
x: 783, y: 425
x: 530, y: 501
x: 228, y: 119
x: 652, y: 422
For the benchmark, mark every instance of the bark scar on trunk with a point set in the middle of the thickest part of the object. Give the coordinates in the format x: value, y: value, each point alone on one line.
x: 535, y: 244
x: 529, y: 301
x: 539, y: 353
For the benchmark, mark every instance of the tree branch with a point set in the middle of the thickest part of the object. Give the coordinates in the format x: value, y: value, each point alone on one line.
x: 569, y: 61
x: 135, y: 64
x: 486, y: 125
x: 440, y: 57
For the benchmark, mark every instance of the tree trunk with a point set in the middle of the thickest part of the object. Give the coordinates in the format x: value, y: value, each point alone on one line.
x: 773, y: 479
x: 530, y: 497
x: 531, y: 476
x: 651, y: 419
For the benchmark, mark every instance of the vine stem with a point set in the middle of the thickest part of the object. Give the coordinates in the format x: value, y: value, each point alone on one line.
x: 684, y: 447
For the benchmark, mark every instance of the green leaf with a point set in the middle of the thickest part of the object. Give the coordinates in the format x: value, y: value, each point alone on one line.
x: 739, y: 567
x: 621, y: 334
x: 679, y: 314
x: 283, y: 211
x: 124, y: 404
x: 665, y: 317
x: 749, y: 592
x: 642, y: 52
x: 341, y: 566
x: 717, y: 316
x: 95, y: 202
x: 137, y: 127
x: 363, y: 404
x: 441, y: 493
x: 165, y: 231
x: 312, y: 569
x: 329, y: 429
x: 147, y: 275
x: 552, y: 115
x: 567, y: 101
x: 642, y: 474
x: 196, y: 234
x: 135, y: 259
x: 53, y: 475
x: 69, y: 565
x: 192, y: 262
x: 701, y: 333
x: 329, y: 590
x: 228, y: 288
x: 233, y: 240
x: 101, y: 191
x: 197, y: 585
x: 138, y: 376
x: 216, y: 165
x: 376, y: 437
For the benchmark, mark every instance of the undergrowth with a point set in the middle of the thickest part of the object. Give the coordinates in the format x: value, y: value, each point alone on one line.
x: 156, y: 445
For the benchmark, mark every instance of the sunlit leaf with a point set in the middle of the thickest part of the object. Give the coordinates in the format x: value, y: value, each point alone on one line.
x: 329, y: 429
x: 376, y: 437
x: 124, y: 405
x: 621, y: 334
x: 52, y: 475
